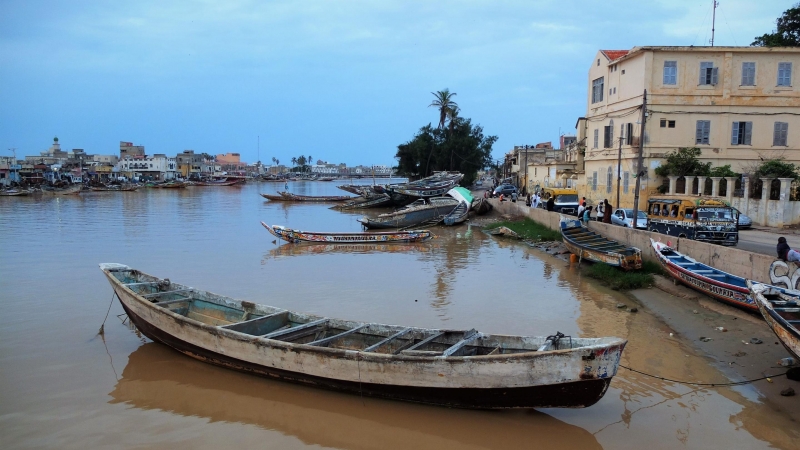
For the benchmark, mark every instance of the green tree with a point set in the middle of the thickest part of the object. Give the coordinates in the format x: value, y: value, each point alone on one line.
x: 466, y: 150
x: 294, y: 162
x: 787, y: 33
x: 723, y: 171
x: 684, y: 161
x: 776, y: 168
x: 444, y: 103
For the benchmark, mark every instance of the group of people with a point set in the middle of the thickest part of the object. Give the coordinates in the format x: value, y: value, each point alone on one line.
x: 602, y: 211
x: 535, y: 200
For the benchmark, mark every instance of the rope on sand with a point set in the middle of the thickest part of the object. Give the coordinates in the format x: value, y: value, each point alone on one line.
x: 735, y: 383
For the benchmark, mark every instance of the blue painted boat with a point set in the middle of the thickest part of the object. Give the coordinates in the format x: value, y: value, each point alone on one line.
x: 713, y: 282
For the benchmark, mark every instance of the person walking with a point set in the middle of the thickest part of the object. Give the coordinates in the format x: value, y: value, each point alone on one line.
x: 581, y: 208
x: 606, y: 212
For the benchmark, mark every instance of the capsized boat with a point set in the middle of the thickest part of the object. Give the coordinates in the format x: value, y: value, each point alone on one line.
x: 713, y: 282
x: 781, y: 310
x: 424, y: 211
x: 297, y: 236
x: 461, y: 212
x: 591, y: 246
x: 455, y: 368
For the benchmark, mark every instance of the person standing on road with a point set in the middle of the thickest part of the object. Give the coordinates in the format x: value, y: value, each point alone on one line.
x: 606, y: 212
x: 786, y: 253
x: 587, y: 213
x: 581, y: 208
x: 551, y: 203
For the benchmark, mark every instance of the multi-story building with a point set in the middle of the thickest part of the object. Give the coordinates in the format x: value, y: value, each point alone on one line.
x: 189, y: 163
x: 231, y: 162
x: 128, y: 150
x: 158, y: 167
x: 739, y: 105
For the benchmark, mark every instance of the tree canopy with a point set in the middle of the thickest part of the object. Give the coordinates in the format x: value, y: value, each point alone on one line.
x: 776, y: 168
x: 787, y: 33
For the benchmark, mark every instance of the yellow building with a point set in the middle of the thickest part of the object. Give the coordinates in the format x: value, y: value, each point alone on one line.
x: 739, y: 105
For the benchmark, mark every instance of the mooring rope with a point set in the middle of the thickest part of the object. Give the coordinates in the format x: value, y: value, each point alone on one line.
x: 735, y: 383
x: 102, y: 325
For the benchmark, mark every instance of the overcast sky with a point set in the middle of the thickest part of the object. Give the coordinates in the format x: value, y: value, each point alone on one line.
x: 340, y: 80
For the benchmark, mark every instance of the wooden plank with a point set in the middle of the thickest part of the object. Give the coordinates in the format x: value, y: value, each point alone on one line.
x: 327, y: 340
x: 278, y: 333
x: 787, y: 309
x: 458, y: 345
x: 181, y: 300
x: 372, y: 347
x: 237, y: 326
x: 496, y: 350
x: 155, y: 294
x: 424, y: 341
x: 139, y: 284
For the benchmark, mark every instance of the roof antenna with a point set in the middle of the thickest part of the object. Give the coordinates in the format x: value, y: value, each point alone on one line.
x: 713, y: 20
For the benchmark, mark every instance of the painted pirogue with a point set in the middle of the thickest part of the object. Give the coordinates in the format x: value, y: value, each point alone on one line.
x: 457, y: 368
x: 781, y: 310
x: 297, y: 236
x: 289, y: 197
x: 591, y: 246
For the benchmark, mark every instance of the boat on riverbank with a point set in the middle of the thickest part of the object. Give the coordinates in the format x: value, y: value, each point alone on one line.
x: 297, y: 236
x: 375, y: 201
x: 15, y: 192
x: 711, y: 281
x: 454, y: 368
x: 289, y: 197
x: 115, y: 188
x: 74, y: 189
x: 425, y: 211
x: 591, y: 246
x: 228, y: 181
x: 433, y: 186
x: 781, y: 310
x: 461, y: 212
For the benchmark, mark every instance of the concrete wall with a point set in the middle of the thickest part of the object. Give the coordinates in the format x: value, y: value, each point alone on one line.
x: 730, y: 259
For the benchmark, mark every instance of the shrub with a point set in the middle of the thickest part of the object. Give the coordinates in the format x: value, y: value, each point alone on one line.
x: 528, y: 229
x: 621, y: 280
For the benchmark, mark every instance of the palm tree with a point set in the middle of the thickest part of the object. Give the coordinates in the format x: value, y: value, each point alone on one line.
x: 444, y: 102
x: 452, y: 117
x: 294, y: 161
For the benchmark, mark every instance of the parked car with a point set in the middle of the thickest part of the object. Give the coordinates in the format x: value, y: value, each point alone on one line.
x: 624, y: 217
x: 744, y: 221
x: 505, y: 189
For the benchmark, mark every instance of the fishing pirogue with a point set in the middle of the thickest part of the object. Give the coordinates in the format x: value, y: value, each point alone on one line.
x: 297, y: 236
x: 289, y: 197
x: 591, y: 246
x: 457, y: 368
x: 781, y: 310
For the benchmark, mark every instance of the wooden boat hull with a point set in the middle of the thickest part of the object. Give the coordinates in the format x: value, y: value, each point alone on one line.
x: 289, y: 197
x: 377, y: 201
x: 15, y: 193
x: 422, y: 211
x: 713, y: 282
x: 220, y: 183
x: 778, y: 313
x: 72, y: 190
x: 572, y: 377
x: 121, y: 189
x: 593, y: 247
x: 297, y: 236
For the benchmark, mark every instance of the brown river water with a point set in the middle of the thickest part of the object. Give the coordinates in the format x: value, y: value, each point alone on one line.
x: 63, y: 386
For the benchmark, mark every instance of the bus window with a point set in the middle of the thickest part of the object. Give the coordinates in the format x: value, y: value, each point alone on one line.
x: 674, y: 212
x: 688, y: 213
x: 656, y: 209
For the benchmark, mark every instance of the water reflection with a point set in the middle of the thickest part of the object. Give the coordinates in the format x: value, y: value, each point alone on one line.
x: 158, y: 378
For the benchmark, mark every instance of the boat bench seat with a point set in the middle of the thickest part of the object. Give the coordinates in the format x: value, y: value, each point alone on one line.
x: 703, y: 271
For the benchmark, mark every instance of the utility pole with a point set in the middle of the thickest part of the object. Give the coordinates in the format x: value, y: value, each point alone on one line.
x: 619, y: 167
x: 713, y: 20
x: 640, y: 162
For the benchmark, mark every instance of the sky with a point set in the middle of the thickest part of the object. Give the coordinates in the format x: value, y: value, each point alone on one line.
x: 344, y: 81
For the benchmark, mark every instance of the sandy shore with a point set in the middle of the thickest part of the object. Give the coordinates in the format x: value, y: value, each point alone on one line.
x: 694, y: 320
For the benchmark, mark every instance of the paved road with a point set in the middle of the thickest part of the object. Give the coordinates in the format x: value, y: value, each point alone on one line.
x: 765, y: 240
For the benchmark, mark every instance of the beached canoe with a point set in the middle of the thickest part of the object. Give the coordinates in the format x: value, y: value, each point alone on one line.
x: 289, y: 197
x: 713, y: 282
x: 375, y: 201
x: 781, y: 310
x: 591, y: 246
x: 461, y: 212
x: 75, y: 189
x: 220, y: 182
x: 423, y: 212
x: 456, y: 368
x: 297, y: 236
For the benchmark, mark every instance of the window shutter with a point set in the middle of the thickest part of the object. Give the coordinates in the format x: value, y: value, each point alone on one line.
x: 714, y: 73
x: 748, y: 132
x: 735, y: 133
x: 698, y: 134
x: 776, y: 134
x: 702, y: 73
x: 706, y: 131
x: 785, y: 133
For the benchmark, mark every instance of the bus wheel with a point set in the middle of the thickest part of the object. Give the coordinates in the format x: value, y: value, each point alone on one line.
x: 653, y: 230
x: 682, y: 235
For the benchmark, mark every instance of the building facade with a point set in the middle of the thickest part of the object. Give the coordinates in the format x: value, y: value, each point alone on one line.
x: 738, y: 105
